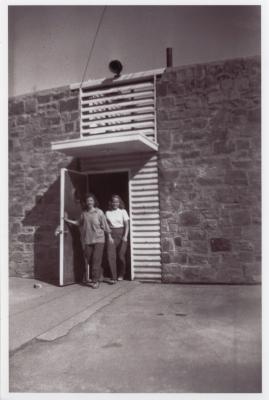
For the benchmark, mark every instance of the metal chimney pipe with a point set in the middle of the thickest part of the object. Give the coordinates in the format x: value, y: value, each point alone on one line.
x: 169, y: 57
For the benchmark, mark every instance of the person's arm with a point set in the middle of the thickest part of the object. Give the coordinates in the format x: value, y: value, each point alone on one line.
x: 126, y: 230
x: 126, y: 226
x: 71, y: 221
x: 105, y: 227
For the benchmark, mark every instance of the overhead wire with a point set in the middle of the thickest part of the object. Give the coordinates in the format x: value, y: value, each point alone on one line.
x: 92, y: 46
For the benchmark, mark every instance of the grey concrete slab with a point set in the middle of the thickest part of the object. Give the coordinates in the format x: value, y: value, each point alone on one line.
x: 24, y: 296
x: 154, y: 338
x: 63, y: 328
x: 35, y: 312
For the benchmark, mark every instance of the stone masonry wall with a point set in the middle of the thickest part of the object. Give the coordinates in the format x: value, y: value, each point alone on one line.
x: 35, y: 121
x: 209, y: 126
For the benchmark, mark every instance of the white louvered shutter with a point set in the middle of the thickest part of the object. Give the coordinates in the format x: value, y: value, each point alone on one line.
x: 119, y: 108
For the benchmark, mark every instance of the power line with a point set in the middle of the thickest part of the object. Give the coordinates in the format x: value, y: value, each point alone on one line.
x: 93, y: 43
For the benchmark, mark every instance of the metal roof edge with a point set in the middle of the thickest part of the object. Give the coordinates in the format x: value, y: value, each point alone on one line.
x: 122, y: 78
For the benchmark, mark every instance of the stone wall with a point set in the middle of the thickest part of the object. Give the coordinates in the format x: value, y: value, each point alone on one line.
x: 35, y: 121
x: 209, y: 127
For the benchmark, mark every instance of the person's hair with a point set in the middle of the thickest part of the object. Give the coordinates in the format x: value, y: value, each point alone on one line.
x: 122, y: 205
x: 96, y: 202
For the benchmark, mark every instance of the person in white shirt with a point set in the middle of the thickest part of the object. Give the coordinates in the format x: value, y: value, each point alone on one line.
x: 118, y: 221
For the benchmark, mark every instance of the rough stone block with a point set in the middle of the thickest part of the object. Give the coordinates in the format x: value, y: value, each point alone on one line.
x: 22, y: 119
x: 191, y: 273
x: 236, y: 177
x: 74, y: 116
x: 55, y: 120
x: 166, y: 214
x: 189, y: 218
x: 19, y: 247
x: 215, y: 97
x: 242, y: 83
x: 161, y: 89
x: 16, y: 108
x: 15, y: 227
x: 223, y: 147
x: 226, y: 83
x: 204, y: 181
x: 180, y: 258
x: 208, y: 275
x: 190, y: 154
x: 171, y: 273
x: 27, y: 238
x: 168, y: 174
x: 197, y: 260
x: 240, y: 217
x: 166, y: 258
x: 168, y: 102
x: 45, y: 98
x: 37, y: 141
x: 61, y: 95
x: 11, y: 123
x: 196, y: 234
x: 165, y: 141
x: 245, y: 256
x: 222, y: 195
x: 200, y: 246
x: 173, y: 227
x: 242, y: 144
x: 220, y: 244
x: 246, y: 245
x: 252, y: 272
x: 167, y: 244
x: 30, y: 106
x: 15, y: 209
x: 193, y: 101
x: 69, y: 105
x: 230, y: 275
x: 178, y: 241
x: 254, y: 115
x: 69, y: 127
x: 190, y: 136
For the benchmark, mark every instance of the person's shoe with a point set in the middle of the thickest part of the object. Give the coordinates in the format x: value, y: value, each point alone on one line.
x: 112, y: 281
x: 95, y: 285
x: 120, y: 278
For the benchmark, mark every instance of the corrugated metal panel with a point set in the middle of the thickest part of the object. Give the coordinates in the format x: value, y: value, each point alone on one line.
x: 144, y: 209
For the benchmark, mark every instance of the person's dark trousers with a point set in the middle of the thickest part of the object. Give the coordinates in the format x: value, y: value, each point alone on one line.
x: 116, y: 253
x: 94, y: 254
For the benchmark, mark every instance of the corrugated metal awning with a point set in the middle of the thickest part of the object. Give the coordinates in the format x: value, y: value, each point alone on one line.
x: 106, y: 144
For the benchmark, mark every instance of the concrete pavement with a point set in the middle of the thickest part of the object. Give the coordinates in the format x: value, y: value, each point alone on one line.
x: 49, y: 312
x: 135, y: 337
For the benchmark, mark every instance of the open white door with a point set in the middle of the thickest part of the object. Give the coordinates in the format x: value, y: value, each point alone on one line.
x: 72, y: 262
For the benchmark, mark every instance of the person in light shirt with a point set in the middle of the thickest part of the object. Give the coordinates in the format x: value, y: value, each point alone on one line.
x: 118, y: 221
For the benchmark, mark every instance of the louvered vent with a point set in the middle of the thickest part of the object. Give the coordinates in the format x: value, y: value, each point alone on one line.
x: 119, y: 108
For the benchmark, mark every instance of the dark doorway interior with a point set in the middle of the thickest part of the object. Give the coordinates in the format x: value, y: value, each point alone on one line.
x: 103, y: 185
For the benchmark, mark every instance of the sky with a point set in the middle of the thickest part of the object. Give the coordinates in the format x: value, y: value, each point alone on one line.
x: 49, y: 45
